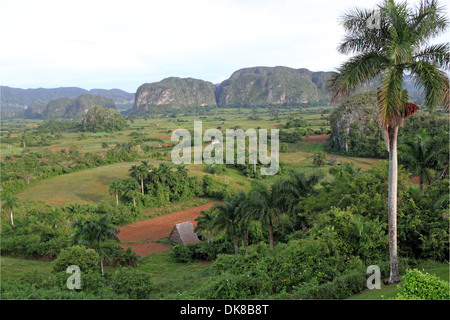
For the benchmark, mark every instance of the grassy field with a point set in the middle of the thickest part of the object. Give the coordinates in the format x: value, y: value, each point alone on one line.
x: 91, y: 186
x: 88, y: 186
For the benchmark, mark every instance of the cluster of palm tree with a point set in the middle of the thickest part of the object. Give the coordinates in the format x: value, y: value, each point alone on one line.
x: 425, y: 156
x: 93, y: 232
x: 263, y: 202
x: 144, y: 174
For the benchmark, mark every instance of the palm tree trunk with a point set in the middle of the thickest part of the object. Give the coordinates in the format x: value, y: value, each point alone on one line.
x: 134, y: 199
x: 236, y: 250
x: 12, y: 220
x: 271, y: 234
x: 101, y: 265
x: 142, y: 186
x: 246, y: 238
x: 117, y: 199
x: 392, y: 205
x: 210, y: 237
x: 421, y: 184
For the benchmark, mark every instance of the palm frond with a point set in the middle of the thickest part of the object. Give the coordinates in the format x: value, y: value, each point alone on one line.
x: 353, y: 73
x: 428, y: 21
x: 432, y: 81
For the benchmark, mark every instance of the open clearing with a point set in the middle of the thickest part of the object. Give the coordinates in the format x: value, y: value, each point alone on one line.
x: 84, y: 187
x: 141, y: 236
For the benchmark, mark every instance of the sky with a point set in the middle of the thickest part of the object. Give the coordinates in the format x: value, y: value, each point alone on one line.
x: 123, y: 44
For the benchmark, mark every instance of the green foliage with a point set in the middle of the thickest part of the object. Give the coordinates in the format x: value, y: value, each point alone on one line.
x: 100, y: 119
x: 339, y: 288
x: 320, y: 159
x: 85, y: 258
x: 419, y: 286
x: 132, y: 283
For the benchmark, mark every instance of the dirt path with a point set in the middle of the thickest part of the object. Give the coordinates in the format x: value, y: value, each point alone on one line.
x: 147, y: 231
x: 320, y: 138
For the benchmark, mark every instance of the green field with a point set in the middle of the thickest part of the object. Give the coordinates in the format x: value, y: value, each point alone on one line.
x: 90, y: 186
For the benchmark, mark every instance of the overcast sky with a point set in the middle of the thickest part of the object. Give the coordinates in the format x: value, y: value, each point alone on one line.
x: 123, y: 44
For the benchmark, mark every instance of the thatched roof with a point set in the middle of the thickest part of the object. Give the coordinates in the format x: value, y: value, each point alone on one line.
x: 184, y: 233
x: 334, y: 160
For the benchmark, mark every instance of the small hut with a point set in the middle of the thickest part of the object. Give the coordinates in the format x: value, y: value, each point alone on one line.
x: 334, y: 160
x: 184, y: 233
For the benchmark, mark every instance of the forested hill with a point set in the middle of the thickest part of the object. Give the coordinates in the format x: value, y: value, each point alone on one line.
x: 75, y: 108
x: 262, y: 86
x: 23, y: 98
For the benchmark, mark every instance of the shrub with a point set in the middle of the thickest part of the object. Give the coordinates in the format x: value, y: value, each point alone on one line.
x: 182, y: 253
x: 133, y: 283
x: 86, y: 259
x: 419, y: 286
x: 340, y: 288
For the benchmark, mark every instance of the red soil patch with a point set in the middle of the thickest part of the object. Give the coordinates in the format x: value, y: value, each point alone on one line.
x: 59, y: 200
x: 320, y: 138
x: 416, y: 180
x: 155, y: 229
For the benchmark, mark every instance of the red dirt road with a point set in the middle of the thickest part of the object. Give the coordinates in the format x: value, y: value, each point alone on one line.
x: 320, y: 138
x: 147, y: 231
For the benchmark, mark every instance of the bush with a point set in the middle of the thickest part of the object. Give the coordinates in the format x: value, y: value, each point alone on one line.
x: 86, y: 259
x: 134, y: 284
x: 340, y: 288
x: 182, y: 253
x: 419, y: 286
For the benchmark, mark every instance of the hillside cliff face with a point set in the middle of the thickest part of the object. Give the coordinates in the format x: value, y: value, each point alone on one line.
x: 73, y: 108
x: 355, y: 127
x: 262, y: 86
x: 174, y: 93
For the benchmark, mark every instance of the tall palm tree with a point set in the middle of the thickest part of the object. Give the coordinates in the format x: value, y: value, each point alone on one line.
x: 296, y: 187
x: 182, y: 171
x: 419, y: 156
x: 228, y: 219
x: 264, y: 205
x: 129, y: 187
x: 93, y: 232
x: 115, y: 188
x: 140, y: 173
x: 207, y: 222
x: 398, y: 45
x: 9, y: 203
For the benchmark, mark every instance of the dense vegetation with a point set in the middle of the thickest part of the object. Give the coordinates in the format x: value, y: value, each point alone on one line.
x: 325, y: 237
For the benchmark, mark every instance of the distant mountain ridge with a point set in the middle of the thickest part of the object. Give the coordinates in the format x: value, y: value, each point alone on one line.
x: 16, y: 97
x: 69, y: 108
x: 174, y: 93
x: 263, y: 86
x: 248, y: 87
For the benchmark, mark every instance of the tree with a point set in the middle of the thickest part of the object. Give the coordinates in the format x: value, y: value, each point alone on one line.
x: 115, y: 188
x: 9, y: 203
x: 130, y: 186
x: 418, y: 155
x: 296, y: 187
x: 206, y: 222
x: 140, y: 173
x: 228, y: 219
x: 264, y: 205
x: 399, y: 44
x: 92, y: 232
x: 105, y: 145
x: 320, y: 158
